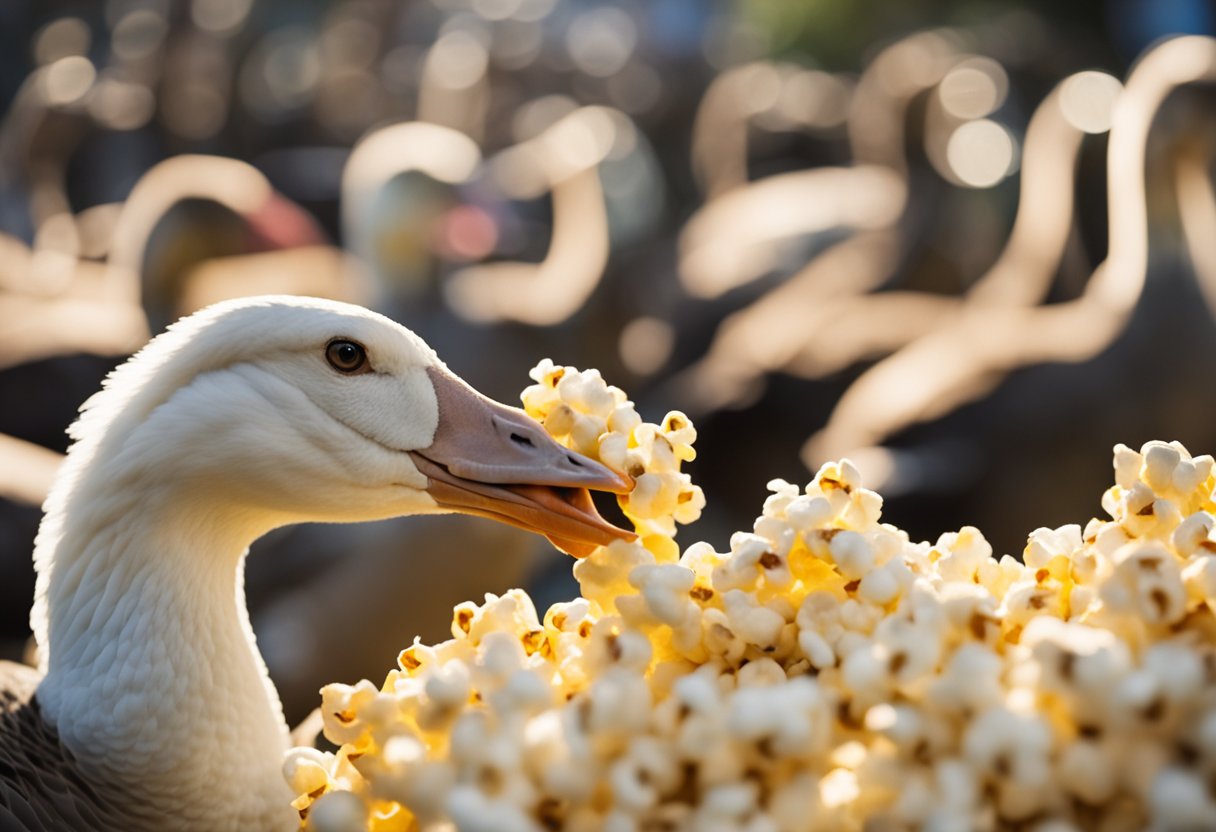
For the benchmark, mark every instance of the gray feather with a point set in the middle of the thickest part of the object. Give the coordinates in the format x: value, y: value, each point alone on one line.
x: 41, y: 787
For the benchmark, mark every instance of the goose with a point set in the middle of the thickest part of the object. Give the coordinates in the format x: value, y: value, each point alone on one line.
x: 854, y: 328
x: 389, y: 207
x: 873, y: 196
x: 966, y: 360
x: 564, y: 158
x: 721, y: 129
x: 384, y: 213
x: 747, y: 229
x: 197, y: 229
x: 151, y: 707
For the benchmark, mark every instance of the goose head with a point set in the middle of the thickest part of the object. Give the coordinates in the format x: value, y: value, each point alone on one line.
x: 295, y: 409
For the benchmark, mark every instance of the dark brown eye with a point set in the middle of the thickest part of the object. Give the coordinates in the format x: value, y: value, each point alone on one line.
x: 346, y: 356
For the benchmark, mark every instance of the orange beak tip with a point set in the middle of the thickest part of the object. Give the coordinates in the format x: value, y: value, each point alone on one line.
x: 580, y: 548
x: 577, y: 549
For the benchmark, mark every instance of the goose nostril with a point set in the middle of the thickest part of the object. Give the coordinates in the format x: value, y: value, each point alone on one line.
x: 575, y: 461
x: 520, y: 439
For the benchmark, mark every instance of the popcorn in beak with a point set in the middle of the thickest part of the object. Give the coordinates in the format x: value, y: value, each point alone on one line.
x: 494, y: 461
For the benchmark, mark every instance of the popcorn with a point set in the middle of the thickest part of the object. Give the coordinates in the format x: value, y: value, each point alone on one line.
x: 338, y: 812
x: 824, y: 672
x: 1179, y: 799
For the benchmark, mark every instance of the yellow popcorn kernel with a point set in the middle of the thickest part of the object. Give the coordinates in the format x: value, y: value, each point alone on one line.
x: 307, y: 772
x: 664, y: 549
x: 547, y: 373
x: 884, y: 585
x: 539, y: 401
x: 565, y: 617
x: 852, y: 554
x: 340, y: 710
x: 408, y: 659
x: 586, y: 392
x: 680, y: 434
x: 665, y: 588
x: 1192, y: 533
x: 1160, y: 460
x: 1147, y: 582
x: 614, y: 451
x: 388, y: 816
x: 1199, y: 577
x: 808, y: 512
x: 511, y: 612
x: 718, y: 637
x: 755, y: 624
x: 585, y: 434
x: 690, y: 502
x: 603, y: 574
x: 814, y: 573
x: 1127, y: 465
x: 701, y: 558
x: 447, y: 691
x: 652, y: 496
x: 560, y: 420
x: 624, y: 419
x: 838, y: 788
x: 1027, y: 599
x: 1044, y: 545
x: 462, y: 618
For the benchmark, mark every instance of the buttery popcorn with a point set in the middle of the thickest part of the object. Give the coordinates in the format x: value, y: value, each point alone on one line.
x: 824, y: 673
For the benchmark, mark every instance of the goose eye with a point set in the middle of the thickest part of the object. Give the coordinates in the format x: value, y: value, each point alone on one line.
x: 346, y: 356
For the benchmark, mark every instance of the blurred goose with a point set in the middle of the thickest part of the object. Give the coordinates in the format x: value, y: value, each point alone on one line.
x: 860, y: 327
x: 395, y: 186
x: 966, y: 360
x: 748, y: 229
x: 152, y: 708
x: 564, y: 158
x: 199, y: 229
x: 195, y: 230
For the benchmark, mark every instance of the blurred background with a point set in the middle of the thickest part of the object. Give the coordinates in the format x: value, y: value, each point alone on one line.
x: 903, y: 232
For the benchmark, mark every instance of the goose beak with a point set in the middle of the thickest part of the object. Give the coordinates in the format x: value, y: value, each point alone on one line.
x: 495, y: 461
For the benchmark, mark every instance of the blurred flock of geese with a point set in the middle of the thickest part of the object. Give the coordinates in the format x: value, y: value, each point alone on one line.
x: 503, y: 225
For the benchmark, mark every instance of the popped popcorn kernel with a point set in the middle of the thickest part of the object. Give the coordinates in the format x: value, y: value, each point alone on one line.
x: 822, y: 672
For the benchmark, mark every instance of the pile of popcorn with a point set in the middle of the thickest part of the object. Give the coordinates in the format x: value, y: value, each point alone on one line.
x: 825, y: 673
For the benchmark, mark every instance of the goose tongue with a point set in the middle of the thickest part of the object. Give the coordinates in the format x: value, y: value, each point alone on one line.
x: 494, y: 461
x: 580, y: 500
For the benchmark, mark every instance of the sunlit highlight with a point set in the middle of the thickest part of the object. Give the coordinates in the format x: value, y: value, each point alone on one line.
x: 980, y: 153
x: 1088, y: 100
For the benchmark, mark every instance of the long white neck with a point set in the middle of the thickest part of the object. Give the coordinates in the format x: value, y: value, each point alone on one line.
x: 152, y: 675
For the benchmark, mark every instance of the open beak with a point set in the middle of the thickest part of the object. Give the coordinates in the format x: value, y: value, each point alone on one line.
x: 494, y: 461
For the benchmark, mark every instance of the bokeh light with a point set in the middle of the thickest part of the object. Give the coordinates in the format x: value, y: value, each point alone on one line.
x: 981, y: 153
x: 646, y: 345
x: 1088, y: 100
x: 68, y: 79
x: 973, y: 89
x: 62, y: 38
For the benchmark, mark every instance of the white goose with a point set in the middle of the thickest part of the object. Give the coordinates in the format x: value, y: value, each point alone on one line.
x: 154, y: 709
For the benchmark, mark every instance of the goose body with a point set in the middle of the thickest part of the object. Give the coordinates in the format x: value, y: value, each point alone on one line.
x: 153, y: 703
x: 39, y: 790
